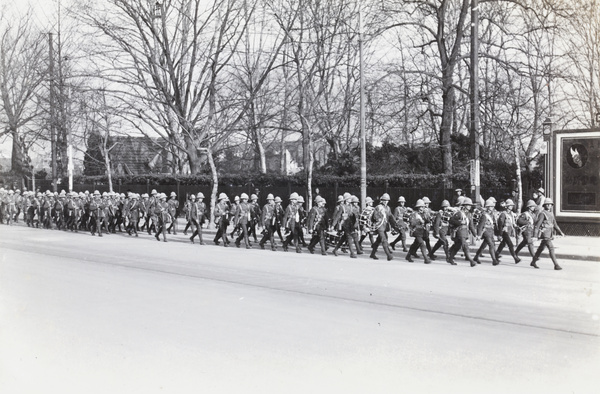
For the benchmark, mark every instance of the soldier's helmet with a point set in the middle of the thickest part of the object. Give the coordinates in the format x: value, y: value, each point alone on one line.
x: 17, y: 191
x: 153, y: 192
x: 270, y: 197
x: 355, y: 199
x: 145, y: 195
x: 223, y: 196
x: 531, y: 204
x: 253, y: 197
x: 96, y: 193
x: 192, y: 196
x: 11, y: 191
x: 199, y: 195
x: 294, y: 196
x: 300, y: 199
x: 548, y: 201
x: 347, y: 195
x: 173, y: 194
x: 340, y: 199
x: 509, y: 203
x: 467, y: 201
x: 493, y: 199
x: 319, y: 199
x: 368, y: 200
x: 401, y: 199
x: 490, y: 203
x: 278, y: 199
x: 459, y: 200
x: 385, y: 197
x: 420, y: 203
x: 426, y: 200
x: 236, y: 199
x: 445, y: 204
x: 243, y: 196
x: 81, y: 194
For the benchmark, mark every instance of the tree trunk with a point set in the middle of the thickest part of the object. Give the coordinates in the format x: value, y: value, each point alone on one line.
x: 446, y: 126
x: 215, y: 186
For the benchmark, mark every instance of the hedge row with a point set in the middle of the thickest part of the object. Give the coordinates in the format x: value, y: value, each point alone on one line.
x: 393, y: 180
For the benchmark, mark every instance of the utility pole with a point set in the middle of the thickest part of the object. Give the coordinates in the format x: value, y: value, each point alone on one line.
x: 474, y: 82
x: 363, y: 145
x: 52, y: 113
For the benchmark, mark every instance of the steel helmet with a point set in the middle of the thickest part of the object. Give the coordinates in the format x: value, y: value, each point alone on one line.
x: 492, y: 199
x: 420, y: 203
x: 347, y: 195
x: 401, y: 199
x: 294, y: 196
x: 340, y: 199
x: 509, y: 202
x: 253, y: 197
x: 192, y: 196
x: 154, y: 192
x: 96, y: 193
x: 460, y: 199
x: 236, y: 199
x: 426, y: 200
x: 243, y: 196
x: 369, y: 200
x: 270, y: 197
x: 319, y: 199
x: 548, y: 201
x: 173, y: 194
x: 490, y: 203
x: 145, y: 195
x: 531, y: 203
x: 278, y: 199
x: 300, y: 199
x: 467, y: 201
x: 445, y: 204
x: 385, y: 197
x: 223, y: 196
x: 200, y: 195
x: 355, y: 199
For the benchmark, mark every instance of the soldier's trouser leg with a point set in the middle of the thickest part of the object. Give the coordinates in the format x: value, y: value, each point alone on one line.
x: 375, y: 245
x: 527, y: 241
x: 427, y: 244
x: 266, y: 236
x: 415, y: 246
x: 508, y: 242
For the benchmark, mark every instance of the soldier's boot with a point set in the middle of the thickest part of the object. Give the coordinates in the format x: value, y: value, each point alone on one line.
x: 409, y: 258
x: 553, y: 257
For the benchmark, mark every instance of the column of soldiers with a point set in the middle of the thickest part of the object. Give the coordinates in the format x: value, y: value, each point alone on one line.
x: 343, y: 232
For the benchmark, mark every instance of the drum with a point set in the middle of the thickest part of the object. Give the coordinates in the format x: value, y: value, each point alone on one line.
x: 447, y: 214
x: 365, y: 220
x: 332, y: 238
x: 477, y: 213
x: 406, y: 216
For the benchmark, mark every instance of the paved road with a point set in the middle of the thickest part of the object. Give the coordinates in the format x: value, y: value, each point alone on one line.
x: 80, y: 314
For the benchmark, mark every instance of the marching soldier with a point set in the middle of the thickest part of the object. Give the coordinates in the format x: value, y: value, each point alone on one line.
x: 382, y: 220
x: 268, y: 221
x: 418, y: 229
x: 356, y: 229
x: 485, y: 230
x: 161, y: 216
x: 317, y: 225
x: 254, y: 217
x: 367, y: 222
x: 243, y: 219
x: 461, y: 224
x: 96, y: 214
x: 234, y: 217
x: 173, y: 207
x: 506, y: 224
x: 546, y: 227
x: 133, y: 213
x: 280, y: 213
x: 302, y: 222
x: 526, y: 221
x: 440, y: 230
x: 290, y: 219
x: 428, y: 217
x: 344, y: 221
x: 194, y: 217
x: 399, y: 213
x: 222, y: 219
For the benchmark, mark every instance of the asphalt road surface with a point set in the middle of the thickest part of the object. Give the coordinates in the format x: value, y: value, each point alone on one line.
x: 82, y: 314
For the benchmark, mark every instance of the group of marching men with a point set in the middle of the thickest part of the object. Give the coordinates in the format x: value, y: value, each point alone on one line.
x: 345, y: 230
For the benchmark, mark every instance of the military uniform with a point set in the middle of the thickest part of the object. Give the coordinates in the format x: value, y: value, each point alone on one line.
x: 197, y: 214
x: 268, y: 220
x: 344, y: 221
x: 440, y: 229
x: 419, y: 231
x: 222, y: 219
x: 461, y: 224
x: 399, y: 213
x: 243, y: 219
x: 290, y: 219
x: 526, y: 222
x: 506, y: 223
x: 486, y: 229
x: 382, y: 220
x: 545, y: 227
x: 317, y: 225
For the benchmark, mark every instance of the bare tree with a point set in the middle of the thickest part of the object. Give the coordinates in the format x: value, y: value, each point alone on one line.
x: 22, y: 72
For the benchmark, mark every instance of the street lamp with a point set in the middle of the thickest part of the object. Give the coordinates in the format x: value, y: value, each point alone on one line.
x: 548, y: 168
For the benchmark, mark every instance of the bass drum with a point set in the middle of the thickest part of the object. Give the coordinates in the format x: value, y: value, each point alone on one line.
x: 365, y: 220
